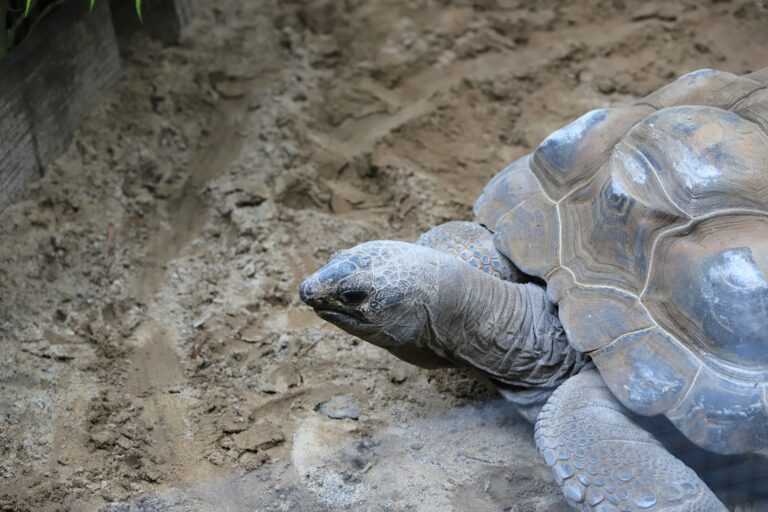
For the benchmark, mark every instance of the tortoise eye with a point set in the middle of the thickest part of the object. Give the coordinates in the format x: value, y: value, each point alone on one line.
x: 352, y: 297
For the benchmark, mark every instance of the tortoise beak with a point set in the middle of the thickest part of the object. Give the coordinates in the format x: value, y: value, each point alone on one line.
x: 318, y: 291
x: 307, y: 292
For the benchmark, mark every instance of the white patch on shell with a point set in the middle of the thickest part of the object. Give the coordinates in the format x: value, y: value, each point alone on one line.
x: 695, y: 171
x: 618, y: 189
x: 635, y: 171
x: 575, y: 131
x: 739, y: 272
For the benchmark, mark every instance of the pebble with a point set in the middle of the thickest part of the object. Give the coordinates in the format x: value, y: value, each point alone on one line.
x: 342, y: 407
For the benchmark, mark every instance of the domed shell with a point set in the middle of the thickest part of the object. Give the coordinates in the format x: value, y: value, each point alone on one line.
x: 650, y: 226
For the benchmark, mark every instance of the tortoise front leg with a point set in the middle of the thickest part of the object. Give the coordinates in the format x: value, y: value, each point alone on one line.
x: 604, y: 461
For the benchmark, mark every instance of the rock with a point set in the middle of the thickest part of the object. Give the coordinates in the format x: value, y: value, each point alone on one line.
x: 151, y: 475
x: 398, y: 374
x: 217, y: 458
x: 320, y: 17
x: 250, y: 461
x: 662, y: 12
x: 342, y: 407
x: 232, y: 424
x: 103, y: 439
x: 259, y: 437
x: 252, y: 334
x: 280, y: 379
x: 228, y: 87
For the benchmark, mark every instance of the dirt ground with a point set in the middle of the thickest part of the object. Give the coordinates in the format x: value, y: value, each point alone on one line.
x: 154, y: 354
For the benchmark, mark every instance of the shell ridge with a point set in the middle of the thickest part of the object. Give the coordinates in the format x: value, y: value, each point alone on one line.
x: 557, y: 211
x: 746, y: 97
x: 658, y: 179
x: 630, y: 333
x: 682, y: 227
x: 597, y: 286
x: 559, y: 234
x: 538, y: 182
x: 763, y: 129
x: 760, y: 75
x: 705, y: 393
x: 729, y: 211
x: 760, y: 128
x: 645, y: 104
x: 595, y: 170
x: 652, y: 255
x: 691, y: 383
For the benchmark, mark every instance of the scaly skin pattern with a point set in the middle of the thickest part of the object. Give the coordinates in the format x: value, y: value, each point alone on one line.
x: 605, y: 462
x: 508, y: 331
x: 432, y: 309
x: 473, y: 244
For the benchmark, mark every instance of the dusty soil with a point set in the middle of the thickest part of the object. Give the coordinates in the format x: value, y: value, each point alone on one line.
x: 153, y: 351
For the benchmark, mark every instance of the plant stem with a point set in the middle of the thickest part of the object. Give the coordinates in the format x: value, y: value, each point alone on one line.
x: 43, y: 14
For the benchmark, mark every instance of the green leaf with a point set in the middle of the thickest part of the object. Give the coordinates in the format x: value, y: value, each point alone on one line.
x: 26, y: 9
x: 138, y: 10
x: 90, y: 6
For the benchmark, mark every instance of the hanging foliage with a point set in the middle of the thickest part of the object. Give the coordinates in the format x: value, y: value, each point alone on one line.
x: 19, y: 17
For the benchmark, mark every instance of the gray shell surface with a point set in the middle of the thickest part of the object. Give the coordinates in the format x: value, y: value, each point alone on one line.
x: 650, y: 226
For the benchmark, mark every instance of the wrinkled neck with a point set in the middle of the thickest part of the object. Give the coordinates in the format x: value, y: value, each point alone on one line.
x: 509, y: 331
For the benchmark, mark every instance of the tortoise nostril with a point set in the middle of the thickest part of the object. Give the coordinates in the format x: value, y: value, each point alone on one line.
x: 352, y: 297
x: 305, y: 293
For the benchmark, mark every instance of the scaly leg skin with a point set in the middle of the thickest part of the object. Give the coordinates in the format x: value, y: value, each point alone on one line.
x: 472, y: 244
x: 605, y: 462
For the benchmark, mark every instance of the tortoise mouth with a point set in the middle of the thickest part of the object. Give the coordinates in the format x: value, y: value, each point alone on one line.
x: 349, y: 323
x: 332, y: 315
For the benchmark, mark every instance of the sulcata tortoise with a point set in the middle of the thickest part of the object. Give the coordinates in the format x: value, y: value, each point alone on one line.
x: 620, y: 271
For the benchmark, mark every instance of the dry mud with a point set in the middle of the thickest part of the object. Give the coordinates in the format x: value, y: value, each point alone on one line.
x: 153, y: 351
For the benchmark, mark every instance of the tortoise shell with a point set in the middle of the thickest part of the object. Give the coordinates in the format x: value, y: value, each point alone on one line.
x: 649, y: 225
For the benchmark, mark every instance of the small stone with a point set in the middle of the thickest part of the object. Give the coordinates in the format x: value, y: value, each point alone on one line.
x: 151, y: 475
x: 342, y: 407
x: 662, y: 12
x: 232, y: 424
x: 606, y: 86
x: 398, y: 375
x: 200, y: 321
x: 281, y: 378
x: 250, y: 461
x: 251, y: 334
x: 259, y: 437
x: 103, y: 439
x: 217, y: 458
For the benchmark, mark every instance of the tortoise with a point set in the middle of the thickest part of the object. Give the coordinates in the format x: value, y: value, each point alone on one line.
x: 619, y: 271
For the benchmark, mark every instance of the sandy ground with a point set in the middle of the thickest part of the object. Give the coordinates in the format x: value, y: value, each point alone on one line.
x: 154, y: 354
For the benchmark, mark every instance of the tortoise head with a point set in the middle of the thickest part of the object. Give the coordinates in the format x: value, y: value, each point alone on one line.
x: 382, y: 292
